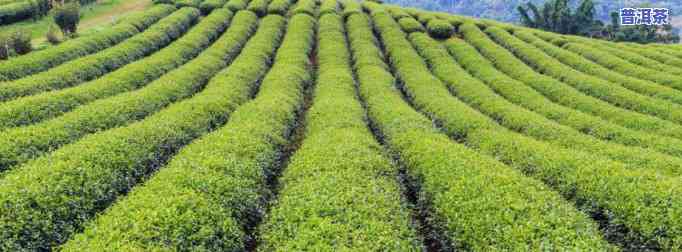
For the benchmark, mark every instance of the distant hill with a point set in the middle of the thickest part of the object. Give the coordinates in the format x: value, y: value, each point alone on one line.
x: 505, y: 10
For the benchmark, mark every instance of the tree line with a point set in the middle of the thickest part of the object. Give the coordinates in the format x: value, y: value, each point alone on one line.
x: 558, y: 16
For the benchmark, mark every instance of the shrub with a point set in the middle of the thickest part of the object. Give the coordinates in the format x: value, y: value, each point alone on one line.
x: 5, y: 46
x: 95, y: 65
x: 67, y: 17
x: 208, y: 6
x: 232, y: 162
x: 19, y: 67
x: 305, y: 7
x: 260, y: 7
x: 85, y: 119
x: 237, y: 5
x: 439, y: 28
x: 469, y: 192
x: 338, y: 163
x: 21, y: 42
x: 558, y: 91
x: 53, y: 36
x: 279, y: 7
x: 36, y: 108
x: 410, y: 25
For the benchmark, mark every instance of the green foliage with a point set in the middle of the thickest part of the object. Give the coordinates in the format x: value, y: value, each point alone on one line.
x: 19, y: 67
x: 21, y: 42
x: 260, y: 7
x: 208, y: 6
x: 351, y: 7
x: 483, y: 104
x: 92, y: 66
x: 439, y: 28
x: 24, y: 143
x: 411, y: 25
x: 237, y: 5
x: 456, y: 181
x: 279, y: 7
x: 15, y: 43
x: 67, y: 17
x: 329, y: 6
x: 549, y: 58
x: 305, y: 7
x: 22, y: 10
x: 558, y: 91
x: 88, y: 176
x: 232, y: 161
x: 519, y: 93
x: 338, y: 177
x: 36, y: 108
x: 54, y: 35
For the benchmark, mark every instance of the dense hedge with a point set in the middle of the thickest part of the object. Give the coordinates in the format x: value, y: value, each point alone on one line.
x: 439, y: 28
x: 667, y: 59
x: 483, y: 99
x: 351, y: 7
x: 236, y: 5
x: 604, y: 58
x: 518, y: 93
x: 622, y: 71
x: 20, y: 10
x: 411, y: 25
x: 47, y: 105
x: 260, y: 7
x: 562, y: 93
x: 305, y: 7
x: 473, y: 196
x: 338, y: 169
x: 208, y: 6
x: 52, y: 197
x: 95, y: 65
x: 19, y: 67
x: 279, y: 7
x: 329, y: 6
x: 19, y: 145
x: 638, y: 206
x: 544, y: 57
x: 216, y: 183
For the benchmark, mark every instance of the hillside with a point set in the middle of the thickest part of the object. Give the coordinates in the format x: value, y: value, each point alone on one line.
x: 506, y: 10
x: 336, y: 125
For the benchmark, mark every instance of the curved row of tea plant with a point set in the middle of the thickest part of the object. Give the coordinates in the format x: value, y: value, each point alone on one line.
x: 459, y: 181
x: 614, y: 69
x: 615, y: 63
x: 52, y: 197
x: 18, y: 145
x: 260, y: 7
x: 217, y: 183
x: 92, y: 66
x: 18, y: 67
x: 25, y: 9
x: 36, y: 108
x: 279, y: 7
x: 339, y: 169
x: 560, y: 92
x: 478, y: 96
x: 534, y: 51
x: 638, y: 207
x: 470, y: 193
x: 516, y: 92
x: 305, y: 6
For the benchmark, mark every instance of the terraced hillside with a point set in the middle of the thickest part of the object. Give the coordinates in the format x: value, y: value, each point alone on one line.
x: 336, y: 125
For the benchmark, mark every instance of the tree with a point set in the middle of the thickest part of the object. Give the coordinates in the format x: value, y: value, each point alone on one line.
x: 557, y: 16
x: 67, y: 17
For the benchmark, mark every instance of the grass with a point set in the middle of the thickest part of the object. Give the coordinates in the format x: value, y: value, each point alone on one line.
x: 93, y: 17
